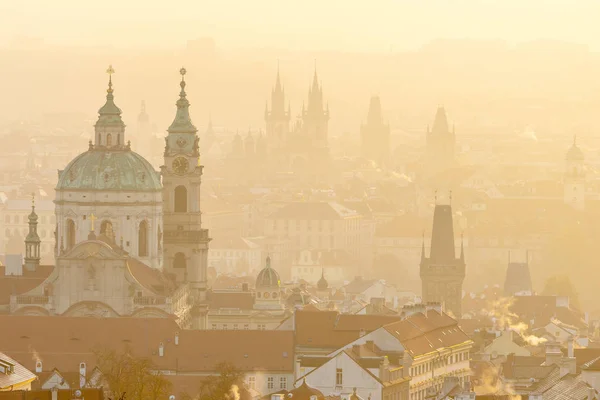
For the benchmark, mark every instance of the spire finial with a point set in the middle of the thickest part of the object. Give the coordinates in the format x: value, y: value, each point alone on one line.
x: 435, y: 197
x: 110, y: 71
x: 450, y: 196
x: 268, y: 261
x: 32, y: 201
x: 423, y: 247
x: 183, y: 71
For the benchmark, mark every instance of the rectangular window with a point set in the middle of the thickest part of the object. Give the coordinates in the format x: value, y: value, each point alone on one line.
x: 235, y: 327
x: 246, y: 327
x: 339, y: 378
x: 252, y: 382
x: 224, y: 327
x: 214, y: 326
x: 283, y: 382
x: 270, y: 382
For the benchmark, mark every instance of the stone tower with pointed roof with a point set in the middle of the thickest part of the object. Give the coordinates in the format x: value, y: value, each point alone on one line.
x: 277, y: 118
x: 441, y: 142
x: 315, y: 118
x: 574, y: 183
x: 442, y: 274
x: 32, y: 242
x: 185, y: 241
x: 375, y: 134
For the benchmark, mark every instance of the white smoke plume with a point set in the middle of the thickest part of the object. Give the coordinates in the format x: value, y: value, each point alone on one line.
x: 505, y: 319
x: 234, y: 393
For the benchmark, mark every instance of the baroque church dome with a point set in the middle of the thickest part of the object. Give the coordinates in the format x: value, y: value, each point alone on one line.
x: 268, y: 277
x: 103, y: 169
x: 109, y: 164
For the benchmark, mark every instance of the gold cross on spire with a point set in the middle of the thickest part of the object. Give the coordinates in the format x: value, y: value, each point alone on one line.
x: 93, y: 219
x: 33, y: 200
x: 110, y: 70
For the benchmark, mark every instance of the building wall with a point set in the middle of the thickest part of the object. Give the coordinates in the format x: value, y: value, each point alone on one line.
x: 124, y: 210
x: 269, y: 382
x: 14, y: 221
x: 353, y: 376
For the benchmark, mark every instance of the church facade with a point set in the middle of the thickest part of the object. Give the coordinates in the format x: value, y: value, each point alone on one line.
x: 127, y: 243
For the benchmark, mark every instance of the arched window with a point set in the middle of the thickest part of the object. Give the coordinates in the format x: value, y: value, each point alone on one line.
x: 180, y: 199
x: 70, y: 234
x: 143, y: 239
x: 179, y: 261
x: 108, y: 140
x: 118, y: 139
x: 99, y: 140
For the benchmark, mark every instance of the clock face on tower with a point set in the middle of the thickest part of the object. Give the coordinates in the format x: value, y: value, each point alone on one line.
x: 181, y: 165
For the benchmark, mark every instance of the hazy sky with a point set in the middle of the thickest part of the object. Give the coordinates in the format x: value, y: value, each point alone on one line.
x: 376, y: 25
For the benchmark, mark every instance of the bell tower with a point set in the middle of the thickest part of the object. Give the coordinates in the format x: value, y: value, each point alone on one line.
x: 185, y: 242
x: 442, y: 273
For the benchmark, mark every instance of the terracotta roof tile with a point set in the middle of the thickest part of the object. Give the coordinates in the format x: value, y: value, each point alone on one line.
x: 17, y: 285
x: 64, y: 342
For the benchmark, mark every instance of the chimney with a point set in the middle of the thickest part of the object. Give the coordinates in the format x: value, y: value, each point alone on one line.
x: 370, y: 345
x: 362, y: 333
x: 570, y: 345
x: 177, y: 339
x: 553, y: 353
x: 356, y: 349
x: 54, y: 392
x: 161, y: 349
x: 82, y: 375
x: 591, y: 393
x: 38, y: 366
x: 384, y: 369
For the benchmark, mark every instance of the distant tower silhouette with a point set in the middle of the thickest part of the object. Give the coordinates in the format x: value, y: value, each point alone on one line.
x: 518, y: 277
x: 315, y: 119
x: 375, y: 134
x: 442, y: 274
x: 277, y: 119
x: 574, y: 184
x: 441, y: 143
x: 143, y: 122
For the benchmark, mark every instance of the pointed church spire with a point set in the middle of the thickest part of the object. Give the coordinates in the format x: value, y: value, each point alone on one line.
x: 440, y: 122
x: 182, y: 122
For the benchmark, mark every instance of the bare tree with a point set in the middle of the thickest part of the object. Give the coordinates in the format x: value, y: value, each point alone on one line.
x: 125, y: 374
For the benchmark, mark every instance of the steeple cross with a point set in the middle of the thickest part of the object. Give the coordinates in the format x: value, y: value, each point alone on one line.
x: 110, y: 70
x: 33, y: 200
x: 93, y: 219
x: 182, y: 71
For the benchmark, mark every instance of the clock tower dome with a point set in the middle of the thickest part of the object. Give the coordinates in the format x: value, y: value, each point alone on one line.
x: 185, y: 242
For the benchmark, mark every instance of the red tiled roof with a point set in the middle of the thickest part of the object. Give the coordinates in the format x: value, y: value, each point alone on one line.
x: 424, y: 333
x: 150, y: 278
x: 19, y: 376
x: 64, y: 342
x: 237, y: 300
x: 17, y: 285
x: 330, y: 329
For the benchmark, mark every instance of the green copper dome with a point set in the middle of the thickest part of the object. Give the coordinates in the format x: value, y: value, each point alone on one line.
x: 99, y: 169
